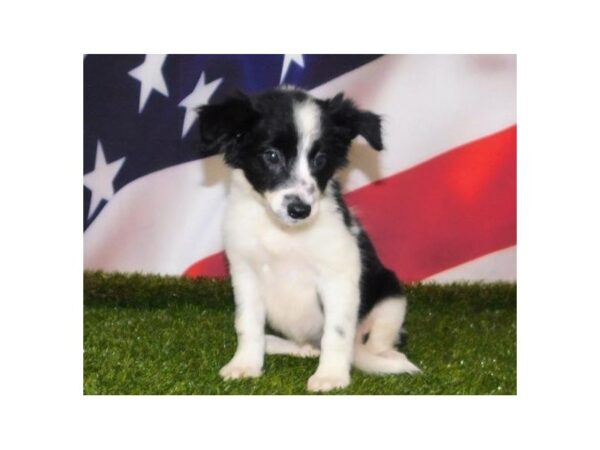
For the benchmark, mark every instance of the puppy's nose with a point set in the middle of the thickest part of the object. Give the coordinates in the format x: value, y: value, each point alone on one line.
x: 298, y: 210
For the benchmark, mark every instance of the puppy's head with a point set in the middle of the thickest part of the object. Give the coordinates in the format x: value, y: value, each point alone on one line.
x: 287, y: 143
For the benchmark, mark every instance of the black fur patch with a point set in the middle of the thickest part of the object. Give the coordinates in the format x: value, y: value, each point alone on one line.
x: 244, y: 128
x: 376, y: 281
x: 341, y: 204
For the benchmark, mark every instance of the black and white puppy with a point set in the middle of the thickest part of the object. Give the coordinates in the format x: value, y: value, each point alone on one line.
x: 299, y: 259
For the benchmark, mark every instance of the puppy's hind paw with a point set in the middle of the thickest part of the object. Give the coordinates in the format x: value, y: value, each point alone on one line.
x: 308, y: 351
x: 399, y: 359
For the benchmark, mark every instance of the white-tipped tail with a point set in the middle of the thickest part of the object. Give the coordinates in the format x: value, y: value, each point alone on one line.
x: 387, y: 362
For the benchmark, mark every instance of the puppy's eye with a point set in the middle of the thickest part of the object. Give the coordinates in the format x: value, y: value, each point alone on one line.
x: 319, y: 161
x: 271, y: 156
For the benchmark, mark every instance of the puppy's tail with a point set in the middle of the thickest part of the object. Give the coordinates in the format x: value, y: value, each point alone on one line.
x: 386, y: 362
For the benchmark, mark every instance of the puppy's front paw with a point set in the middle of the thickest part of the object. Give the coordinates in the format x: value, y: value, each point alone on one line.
x: 323, y: 382
x: 240, y: 369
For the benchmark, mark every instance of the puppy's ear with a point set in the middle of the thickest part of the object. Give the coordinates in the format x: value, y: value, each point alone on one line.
x: 353, y: 122
x: 223, y: 124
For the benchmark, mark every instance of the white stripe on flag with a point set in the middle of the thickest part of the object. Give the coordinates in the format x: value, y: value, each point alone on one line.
x: 430, y: 104
x: 496, y: 266
x: 162, y: 222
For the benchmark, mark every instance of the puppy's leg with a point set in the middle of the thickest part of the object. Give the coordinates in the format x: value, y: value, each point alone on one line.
x: 386, y: 321
x: 383, y: 325
x: 249, y: 324
x: 279, y: 346
x: 340, y: 297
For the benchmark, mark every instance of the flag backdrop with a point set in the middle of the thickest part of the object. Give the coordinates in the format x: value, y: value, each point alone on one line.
x: 439, y: 201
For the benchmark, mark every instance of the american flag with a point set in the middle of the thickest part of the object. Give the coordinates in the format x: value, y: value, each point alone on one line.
x: 439, y: 202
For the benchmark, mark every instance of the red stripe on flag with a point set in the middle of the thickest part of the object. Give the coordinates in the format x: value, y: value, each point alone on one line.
x: 444, y: 212
x: 211, y: 266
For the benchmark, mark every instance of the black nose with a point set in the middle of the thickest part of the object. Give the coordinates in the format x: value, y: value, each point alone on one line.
x: 298, y: 210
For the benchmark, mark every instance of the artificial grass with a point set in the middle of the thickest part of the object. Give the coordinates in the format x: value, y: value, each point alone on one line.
x: 148, y: 334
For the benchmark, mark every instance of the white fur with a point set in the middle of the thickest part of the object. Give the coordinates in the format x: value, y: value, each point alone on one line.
x: 278, y: 270
x: 307, y: 118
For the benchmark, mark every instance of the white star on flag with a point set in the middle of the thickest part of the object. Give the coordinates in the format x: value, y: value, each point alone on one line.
x: 149, y: 74
x: 287, y: 61
x: 199, y: 96
x: 100, y: 179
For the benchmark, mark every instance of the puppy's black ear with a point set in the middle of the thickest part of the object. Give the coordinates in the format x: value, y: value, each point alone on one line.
x: 223, y: 124
x: 353, y: 121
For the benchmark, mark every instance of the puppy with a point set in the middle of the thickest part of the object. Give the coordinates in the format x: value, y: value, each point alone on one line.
x: 299, y: 259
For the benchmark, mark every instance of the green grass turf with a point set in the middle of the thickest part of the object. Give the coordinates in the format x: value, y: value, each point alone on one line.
x: 168, y: 335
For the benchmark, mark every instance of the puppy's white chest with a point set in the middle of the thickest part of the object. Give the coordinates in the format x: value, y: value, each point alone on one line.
x: 286, y: 270
x: 289, y: 290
